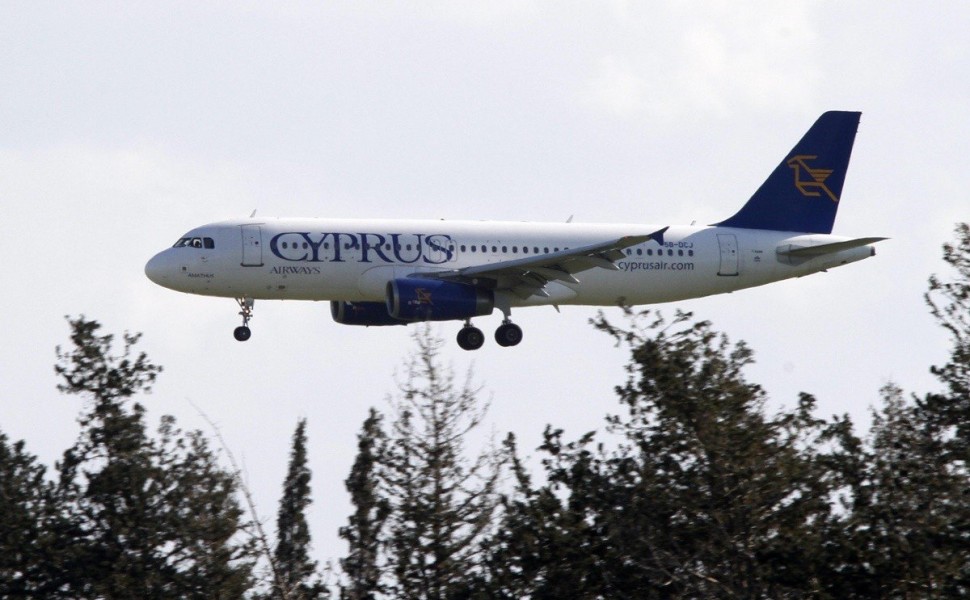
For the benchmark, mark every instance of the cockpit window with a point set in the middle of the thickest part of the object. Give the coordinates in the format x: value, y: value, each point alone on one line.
x: 196, y: 242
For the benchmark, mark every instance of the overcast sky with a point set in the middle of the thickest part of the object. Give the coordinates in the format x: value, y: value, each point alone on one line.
x: 125, y: 124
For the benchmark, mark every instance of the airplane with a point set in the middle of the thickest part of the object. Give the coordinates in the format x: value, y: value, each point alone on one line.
x: 379, y: 272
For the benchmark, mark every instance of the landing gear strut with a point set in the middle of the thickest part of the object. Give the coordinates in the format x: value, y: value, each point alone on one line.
x: 470, y: 337
x: 243, y: 333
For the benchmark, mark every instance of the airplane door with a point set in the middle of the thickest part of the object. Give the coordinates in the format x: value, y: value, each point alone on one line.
x: 728, y: 243
x: 252, y: 248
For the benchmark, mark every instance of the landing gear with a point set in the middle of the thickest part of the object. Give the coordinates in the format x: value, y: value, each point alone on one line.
x: 243, y: 333
x: 470, y: 337
x: 508, y: 334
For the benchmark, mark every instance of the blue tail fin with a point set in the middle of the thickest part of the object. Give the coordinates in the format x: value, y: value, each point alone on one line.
x: 802, y: 193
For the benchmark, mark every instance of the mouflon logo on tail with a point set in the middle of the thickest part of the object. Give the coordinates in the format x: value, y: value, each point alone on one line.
x: 816, y: 177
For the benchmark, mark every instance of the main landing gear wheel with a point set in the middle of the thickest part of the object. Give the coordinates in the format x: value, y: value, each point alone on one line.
x: 243, y: 333
x: 508, y: 334
x: 470, y: 338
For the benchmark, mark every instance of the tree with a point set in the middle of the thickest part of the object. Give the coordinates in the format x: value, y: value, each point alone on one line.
x: 362, y: 565
x: 296, y: 573
x: 698, y: 494
x: 150, y: 518
x: 949, y: 302
x: 442, y: 503
x: 30, y: 564
x: 423, y: 507
x: 904, y: 530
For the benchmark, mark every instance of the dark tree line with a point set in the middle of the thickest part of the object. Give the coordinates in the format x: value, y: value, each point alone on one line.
x: 691, y: 490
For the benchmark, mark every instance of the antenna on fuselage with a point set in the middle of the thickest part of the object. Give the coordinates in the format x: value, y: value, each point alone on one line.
x: 570, y: 219
x: 253, y: 213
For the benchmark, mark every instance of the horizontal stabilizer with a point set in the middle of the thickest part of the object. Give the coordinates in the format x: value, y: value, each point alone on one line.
x: 796, y: 251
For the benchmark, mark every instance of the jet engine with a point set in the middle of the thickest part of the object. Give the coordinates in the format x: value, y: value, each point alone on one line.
x: 435, y: 300
x: 362, y: 313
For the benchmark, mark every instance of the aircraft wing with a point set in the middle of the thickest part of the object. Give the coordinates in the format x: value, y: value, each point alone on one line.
x: 528, y: 276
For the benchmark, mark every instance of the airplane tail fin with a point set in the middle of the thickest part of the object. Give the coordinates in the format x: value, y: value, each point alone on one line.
x: 802, y: 193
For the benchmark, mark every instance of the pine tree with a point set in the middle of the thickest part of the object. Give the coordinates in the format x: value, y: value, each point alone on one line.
x: 296, y: 573
x: 362, y: 565
x: 150, y: 518
x: 422, y: 507
x: 442, y: 503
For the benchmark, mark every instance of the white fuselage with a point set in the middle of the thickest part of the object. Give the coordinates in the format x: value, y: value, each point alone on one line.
x: 354, y: 259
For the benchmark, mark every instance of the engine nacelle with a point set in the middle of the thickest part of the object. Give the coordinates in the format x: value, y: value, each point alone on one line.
x: 362, y: 313
x: 435, y: 300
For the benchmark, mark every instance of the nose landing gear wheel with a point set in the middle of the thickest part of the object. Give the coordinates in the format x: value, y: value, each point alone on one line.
x: 243, y: 333
x: 470, y: 338
x: 508, y: 334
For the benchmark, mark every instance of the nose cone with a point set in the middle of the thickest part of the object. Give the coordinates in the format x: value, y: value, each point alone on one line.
x: 159, y: 269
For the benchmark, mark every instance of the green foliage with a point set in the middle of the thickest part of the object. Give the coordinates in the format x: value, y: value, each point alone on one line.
x: 908, y: 529
x: 29, y: 521
x: 149, y: 518
x: 949, y: 302
x: 364, y: 531
x: 698, y: 494
x: 296, y: 572
x: 422, y: 509
x: 442, y: 503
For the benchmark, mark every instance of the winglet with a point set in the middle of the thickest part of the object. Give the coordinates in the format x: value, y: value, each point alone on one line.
x: 802, y: 193
x: 658, y: 235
